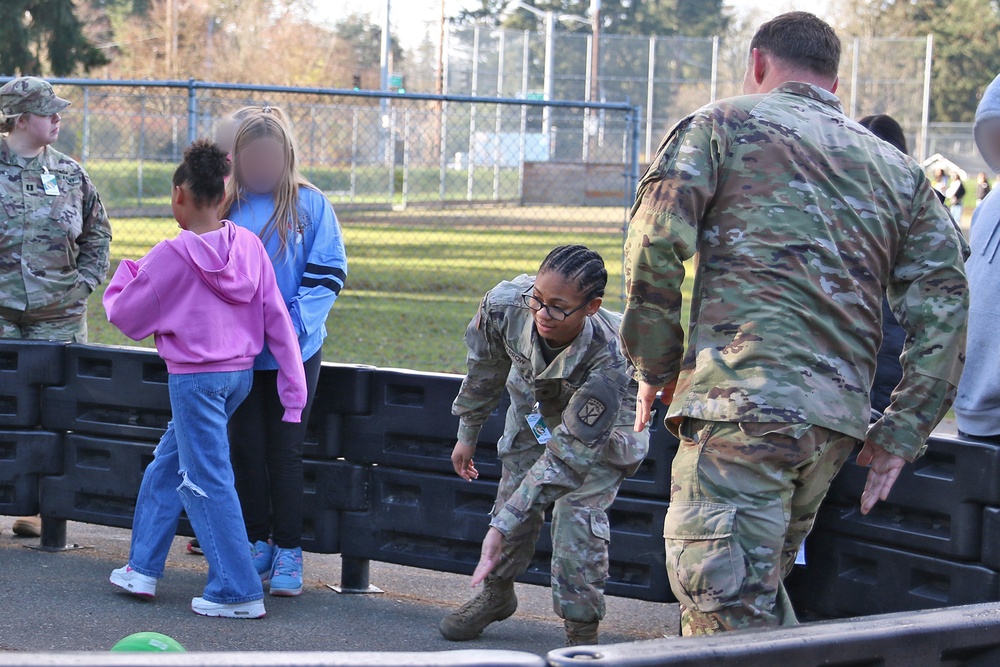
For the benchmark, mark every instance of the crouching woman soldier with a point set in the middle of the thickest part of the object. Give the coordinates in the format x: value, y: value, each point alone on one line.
x: 568, y: 439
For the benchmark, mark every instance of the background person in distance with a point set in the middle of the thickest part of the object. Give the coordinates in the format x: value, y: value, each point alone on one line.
x: 977, y: 407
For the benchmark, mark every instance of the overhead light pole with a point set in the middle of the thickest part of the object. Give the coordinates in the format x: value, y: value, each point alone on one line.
x: 386, y: 48
x: 549, y: 17
x: 595, y: 49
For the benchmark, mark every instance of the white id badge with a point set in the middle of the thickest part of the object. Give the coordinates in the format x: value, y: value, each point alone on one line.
x: 49, y: 184
x: 538, y: 428
x: 800, y: 558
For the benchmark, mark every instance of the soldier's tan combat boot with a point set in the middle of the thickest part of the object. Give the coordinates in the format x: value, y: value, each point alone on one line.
x: 28, y: 526
x: 581, y: 634
x: 495, y: 602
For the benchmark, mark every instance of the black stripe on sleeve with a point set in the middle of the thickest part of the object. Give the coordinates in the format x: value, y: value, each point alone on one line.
x: 320, y: 270
x: 328, y: 283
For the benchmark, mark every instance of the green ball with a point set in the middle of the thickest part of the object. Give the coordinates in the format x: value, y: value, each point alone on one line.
x: 153, y: 642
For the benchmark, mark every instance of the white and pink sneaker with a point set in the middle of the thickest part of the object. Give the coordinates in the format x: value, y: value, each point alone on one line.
x: 133, y: 582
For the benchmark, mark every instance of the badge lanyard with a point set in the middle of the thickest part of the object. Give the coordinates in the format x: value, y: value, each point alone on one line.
x: 538, y: 427
x: 49, y: 184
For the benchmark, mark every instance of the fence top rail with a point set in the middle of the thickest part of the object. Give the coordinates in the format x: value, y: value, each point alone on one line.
x: 192, y: 85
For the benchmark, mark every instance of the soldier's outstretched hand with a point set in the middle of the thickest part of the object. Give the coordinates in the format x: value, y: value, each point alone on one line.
x: 883, y: 469
x: 461, y: 460
x: 644, y: 402
x: 489, y: 557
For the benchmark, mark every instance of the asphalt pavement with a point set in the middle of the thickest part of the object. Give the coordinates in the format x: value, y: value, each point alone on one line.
x: 56, y: 602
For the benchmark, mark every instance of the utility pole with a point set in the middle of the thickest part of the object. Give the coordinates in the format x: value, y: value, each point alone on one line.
x: 171, y: 38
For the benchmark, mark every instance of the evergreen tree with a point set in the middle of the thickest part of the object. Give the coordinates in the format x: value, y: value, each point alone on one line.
x: 45, y: 37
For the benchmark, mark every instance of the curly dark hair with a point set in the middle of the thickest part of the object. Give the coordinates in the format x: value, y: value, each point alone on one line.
x: 204, y: 171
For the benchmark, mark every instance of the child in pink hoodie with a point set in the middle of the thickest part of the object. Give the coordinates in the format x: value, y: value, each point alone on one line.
x: 210, y: 299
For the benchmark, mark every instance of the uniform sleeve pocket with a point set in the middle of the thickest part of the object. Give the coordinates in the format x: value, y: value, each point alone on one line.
x: 704, y: 562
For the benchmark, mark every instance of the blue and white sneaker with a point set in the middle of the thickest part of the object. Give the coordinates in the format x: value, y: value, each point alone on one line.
x: 262, y: 554
x: 286, y: 572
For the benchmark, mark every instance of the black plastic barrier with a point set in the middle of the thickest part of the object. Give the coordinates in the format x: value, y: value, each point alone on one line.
x: 110, y: 391
x: 848, y: 577
x: 26, y: 366
x: 342, y: 390
x: 25, y: 456
x: 83, y: 422
x: 411, y: 426
x: 101, y: 478
x: 99, y: 483
x: 438, y: 523
x: 936, y: 506
x: 962, y: 636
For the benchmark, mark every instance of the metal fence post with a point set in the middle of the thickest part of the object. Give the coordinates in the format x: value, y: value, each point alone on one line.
x: 499, y: 120
x: 443, y: 125
x: 85, y: 140
x: 587, y: 78
x: 651, y: 94
x: 470, y: 186
x: 142, y: 146
x: 192, y: 112
x: 354, y: 154
x: 631, y: 180
x: 523, y: 127
x: 854, y: 77
x: 714, y: 90
x: 926, y: 105
x: 406, y: 154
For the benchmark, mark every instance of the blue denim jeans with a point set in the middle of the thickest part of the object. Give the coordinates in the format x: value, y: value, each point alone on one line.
x: 191, y: 471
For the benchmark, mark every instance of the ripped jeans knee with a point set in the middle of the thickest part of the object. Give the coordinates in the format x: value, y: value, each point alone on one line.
x: 188, y: 485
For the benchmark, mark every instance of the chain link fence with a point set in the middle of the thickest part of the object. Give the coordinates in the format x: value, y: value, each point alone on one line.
x: 439, y: 197
x: 668, y: 77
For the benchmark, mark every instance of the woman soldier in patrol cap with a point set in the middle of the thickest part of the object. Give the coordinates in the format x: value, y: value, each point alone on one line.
x: 568, y: 440
x: 56, y: 236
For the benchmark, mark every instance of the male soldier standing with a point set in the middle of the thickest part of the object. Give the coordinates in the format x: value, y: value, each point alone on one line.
x: 56, y: 235
x: 799, y: 218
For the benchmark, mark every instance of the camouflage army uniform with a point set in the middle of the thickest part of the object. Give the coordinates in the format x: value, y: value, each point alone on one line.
x: 799, y: 217
x: 588, y: 403
x: 54, y: 248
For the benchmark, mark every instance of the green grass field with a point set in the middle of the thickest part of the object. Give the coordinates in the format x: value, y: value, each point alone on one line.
x: 416, y: 277
x: 132, y: 184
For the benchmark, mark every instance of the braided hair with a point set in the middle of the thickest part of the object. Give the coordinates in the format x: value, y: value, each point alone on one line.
x: 580, y: 264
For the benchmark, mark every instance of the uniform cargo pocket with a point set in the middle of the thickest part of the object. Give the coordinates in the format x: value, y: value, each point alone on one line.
x: 599, y: 525
x: 704, y: 562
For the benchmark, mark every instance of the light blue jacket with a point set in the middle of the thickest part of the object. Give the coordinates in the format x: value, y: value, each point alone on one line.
x: 310, y: 273
x: 977, y: 406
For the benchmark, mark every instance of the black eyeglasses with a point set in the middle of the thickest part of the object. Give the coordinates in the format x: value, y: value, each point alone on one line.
x: 555, y: 313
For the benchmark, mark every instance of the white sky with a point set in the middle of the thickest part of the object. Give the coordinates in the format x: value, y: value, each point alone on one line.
x: 412, y: 19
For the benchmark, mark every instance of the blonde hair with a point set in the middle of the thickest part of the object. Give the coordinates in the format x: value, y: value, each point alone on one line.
x: 259, y: 123
x: 243, y: 113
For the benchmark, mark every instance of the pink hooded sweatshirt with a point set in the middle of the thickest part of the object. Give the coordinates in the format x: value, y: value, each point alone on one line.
x: 211, y: 301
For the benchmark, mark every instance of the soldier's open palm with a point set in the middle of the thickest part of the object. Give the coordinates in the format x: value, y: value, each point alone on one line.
x: 883, y: 470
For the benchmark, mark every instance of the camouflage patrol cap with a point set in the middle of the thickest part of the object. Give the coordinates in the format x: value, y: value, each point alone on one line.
x: 29, y: 94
